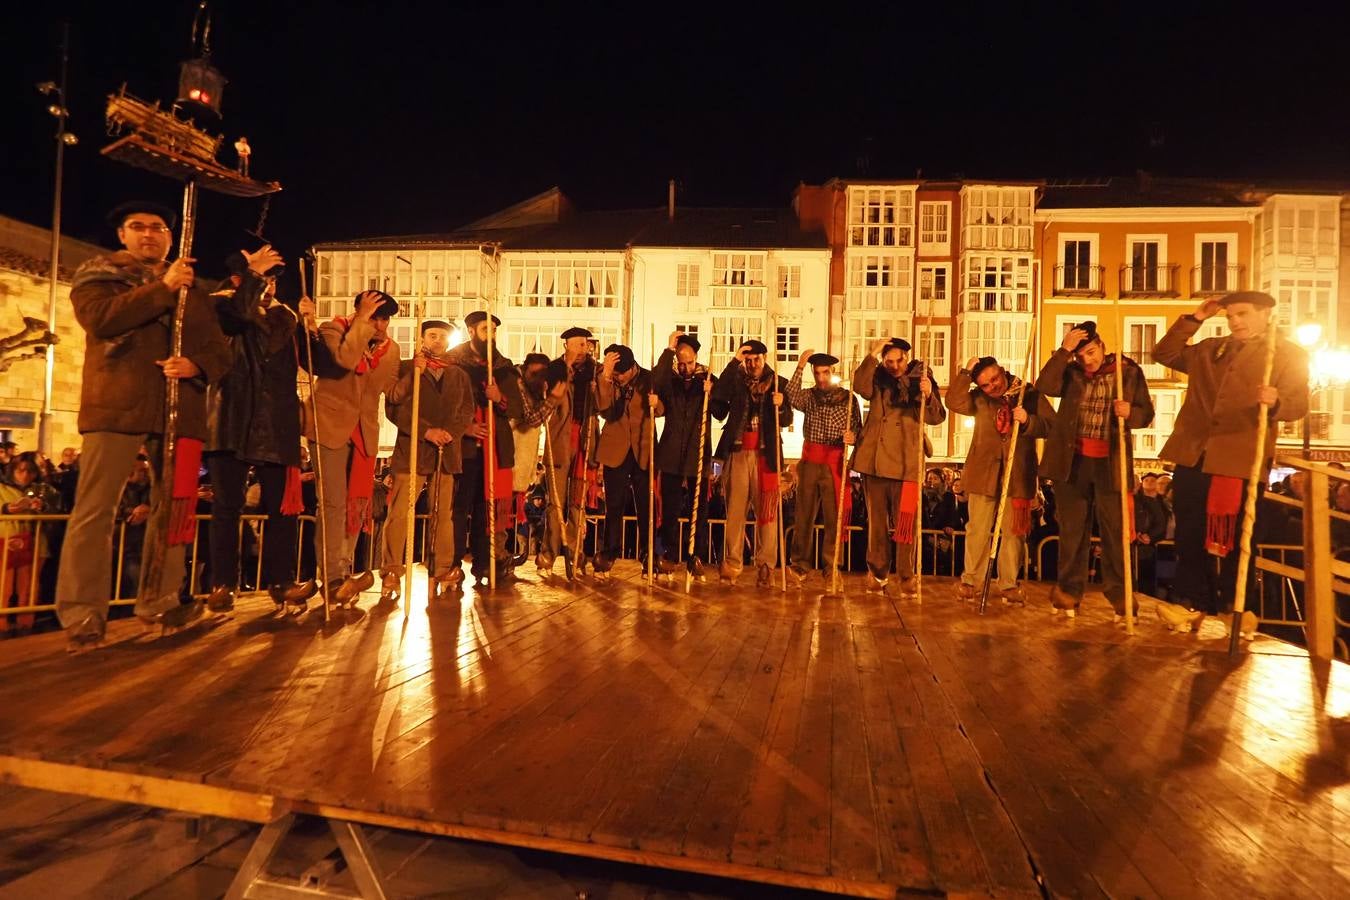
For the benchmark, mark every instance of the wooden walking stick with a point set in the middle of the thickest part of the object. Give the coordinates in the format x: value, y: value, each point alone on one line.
x: 555, y: 502
x: 1011, y: 462
x: 321, y: 530
x: 414, y: 438
x: 433, y: 523
x: 923, y: 472
x: 651, y: 466
x: 490, y: 456
x: 1249, y: 502
x: 777, y: 440
x: 589, y: 405
x: 836, y: 577
x: 698, y: 483
x: 1126, y: 526
x: 152, y: 566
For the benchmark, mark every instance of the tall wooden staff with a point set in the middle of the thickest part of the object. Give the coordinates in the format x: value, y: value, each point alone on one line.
x: 588, y: 407
x: 414, y: 437
x: 320, y: 528
x: 1249, y: 504
x: 556, y: 503
x: 836, y: 577
x: 651, y: 467
x: 1126, y: 526
x: 777, y: 439
x: 491, y: 456
x: 923, y: 472
x: 1007, y: 471
x: 152, y: 568
x: 698, y: 483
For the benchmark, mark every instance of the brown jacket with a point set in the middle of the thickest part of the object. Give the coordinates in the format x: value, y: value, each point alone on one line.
x: 351, y: 399
x: 1062, y: 377
x: 890, y: 434
x: 127, y: 312
x: 989, y: 450
x: 444, y: 402
x: 627, y: 426
x: 1218, y: 419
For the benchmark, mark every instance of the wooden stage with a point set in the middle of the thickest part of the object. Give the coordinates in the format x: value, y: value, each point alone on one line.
x: 862, y: 745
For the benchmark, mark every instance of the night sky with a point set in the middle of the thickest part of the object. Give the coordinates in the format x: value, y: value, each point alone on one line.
x: 404, y: 117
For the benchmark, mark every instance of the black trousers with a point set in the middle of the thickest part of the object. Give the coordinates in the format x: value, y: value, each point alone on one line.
x: 620, y: 481
x: 1204, y: 581
x: 677, y: 493
x: 228, y: 475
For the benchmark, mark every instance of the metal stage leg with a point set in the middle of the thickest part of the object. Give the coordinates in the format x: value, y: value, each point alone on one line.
x: 253, y: 882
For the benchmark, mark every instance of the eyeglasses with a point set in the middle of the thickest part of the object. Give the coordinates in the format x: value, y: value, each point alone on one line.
x: 142, y: 227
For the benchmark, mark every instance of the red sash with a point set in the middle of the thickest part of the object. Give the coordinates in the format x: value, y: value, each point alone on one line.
x: 293, y: 498
x: 187, y: 464
x: 360, y: 485
x: 1093, y: 448
x: 1221, y: 513
x: 497, y: 487
x: 832, y: 457
x: 1021, y: 516
x: 906, y: 510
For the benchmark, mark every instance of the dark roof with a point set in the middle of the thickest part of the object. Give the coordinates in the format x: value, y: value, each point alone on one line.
x: 730, y: 228
x: 618, y: 228
x: 1142, y: 191
x: 32, y: 265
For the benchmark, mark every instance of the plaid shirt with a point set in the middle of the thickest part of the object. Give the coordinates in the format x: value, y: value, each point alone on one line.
x: 1095, y: 410
x: 825, y: 412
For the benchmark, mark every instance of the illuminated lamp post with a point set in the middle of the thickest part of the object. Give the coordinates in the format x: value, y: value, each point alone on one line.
x: 1328, y: 367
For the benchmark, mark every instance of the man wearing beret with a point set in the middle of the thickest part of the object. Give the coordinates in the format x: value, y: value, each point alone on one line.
x: 487, y: 470
x: 348, y: 435
x: 746, y: 396
x: 444, y: 413
x: 888, y: 457
x: 987, y: 392
x: 254, y: 418
x: 571, y: 434
x: 623, y: 448
x: 1214, y: 442
x: 125, y: 302
x: 680, y: 383
x: 831, y: 419
x: 1082, y: 459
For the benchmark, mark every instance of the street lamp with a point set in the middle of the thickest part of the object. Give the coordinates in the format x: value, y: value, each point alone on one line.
x: 56, y: 95
x: 1328, y: 367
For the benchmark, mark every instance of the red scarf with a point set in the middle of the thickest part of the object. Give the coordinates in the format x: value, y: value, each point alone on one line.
x: 360, y: 484
x: 832, y: 457
x: 293, y: 498
x: 497, y: 488
x: 1221, y: 513
x: 370, y: 359
x: 906, y: 511
x: 187, y: 465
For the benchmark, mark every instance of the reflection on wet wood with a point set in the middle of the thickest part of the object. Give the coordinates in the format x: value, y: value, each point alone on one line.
x: 862, y: 744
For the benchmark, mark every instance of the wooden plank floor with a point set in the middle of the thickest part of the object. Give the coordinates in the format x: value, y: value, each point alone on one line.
x: 858, y: 744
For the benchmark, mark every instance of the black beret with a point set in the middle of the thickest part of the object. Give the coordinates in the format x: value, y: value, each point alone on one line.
x: 689, y: 341
x: 822, y: 359
x: 1255, y: 298
x: 981, y: 364
x: 477, y: 316
x: 535, y: 359
x: 1092, y: 335
x: 119, y: 213
x: 754, y: 346
x: 899, y: 343
x: 626, y: 360
x: 388, y: 305
x: 576, y: 331
x: 235, y: 263
x: 434, y: 323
